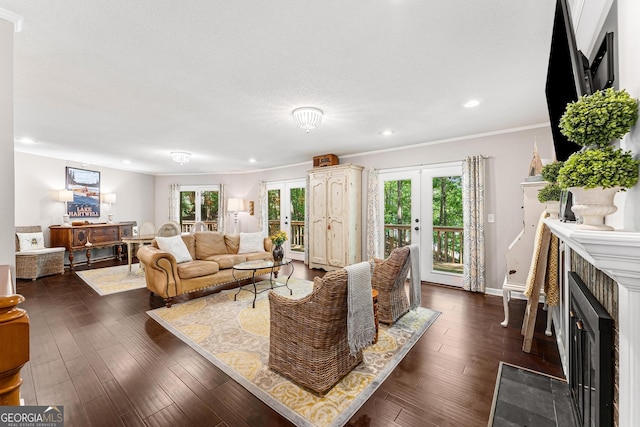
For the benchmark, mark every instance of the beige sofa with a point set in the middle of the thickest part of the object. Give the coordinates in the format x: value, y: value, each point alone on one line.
x: 214, y: 254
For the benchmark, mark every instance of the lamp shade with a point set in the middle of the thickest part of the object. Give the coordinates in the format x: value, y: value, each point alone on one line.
x: 65, y: 196
x: 109, y: 198
x: 235, y: 205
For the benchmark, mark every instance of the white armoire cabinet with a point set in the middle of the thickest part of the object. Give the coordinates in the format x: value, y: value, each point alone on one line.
x: 334, y: 216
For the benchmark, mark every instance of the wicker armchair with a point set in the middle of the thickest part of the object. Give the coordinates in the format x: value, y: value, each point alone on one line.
x: 308, y: 338
x: 38, y: 262
x: 388, y: 279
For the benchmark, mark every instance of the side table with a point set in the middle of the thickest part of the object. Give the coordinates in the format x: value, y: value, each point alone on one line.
x: 254, y: 267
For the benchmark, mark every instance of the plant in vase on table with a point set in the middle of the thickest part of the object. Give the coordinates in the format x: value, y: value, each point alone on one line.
x: 278, y: 239
x: 596, y: 173
x: 550, y: 193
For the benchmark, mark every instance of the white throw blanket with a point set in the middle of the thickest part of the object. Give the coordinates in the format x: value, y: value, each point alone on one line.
x: 414, y: 289
x: 361, y: 328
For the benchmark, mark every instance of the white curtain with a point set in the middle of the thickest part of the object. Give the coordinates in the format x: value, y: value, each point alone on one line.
x: 373, y: 214
x: 262, y: 214
x: 174, y: 203
x: 222, y: 209
x: 473, y: 219
x: 306, y: 221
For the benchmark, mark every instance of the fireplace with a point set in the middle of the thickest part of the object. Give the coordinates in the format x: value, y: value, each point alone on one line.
x: 591, y: 350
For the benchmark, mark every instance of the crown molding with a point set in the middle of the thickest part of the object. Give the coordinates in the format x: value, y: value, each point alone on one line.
x: 12, y: 17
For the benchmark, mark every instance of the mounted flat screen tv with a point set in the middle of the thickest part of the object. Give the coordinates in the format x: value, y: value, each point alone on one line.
x: 566, y: 77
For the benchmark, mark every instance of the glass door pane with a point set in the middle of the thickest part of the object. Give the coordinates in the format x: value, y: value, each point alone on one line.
x: 443, y: 232
x: 209, y: 209
x: 447, y: 224
x: 296, y: 233
x: 273, y: 208
x: 397, y: 214
x: 187, y: 207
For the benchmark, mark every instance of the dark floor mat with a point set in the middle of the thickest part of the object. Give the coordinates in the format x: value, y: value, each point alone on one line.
x: 527, y: 398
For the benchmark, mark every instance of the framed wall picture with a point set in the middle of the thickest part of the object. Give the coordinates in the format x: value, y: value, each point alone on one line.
x: 85, y: 185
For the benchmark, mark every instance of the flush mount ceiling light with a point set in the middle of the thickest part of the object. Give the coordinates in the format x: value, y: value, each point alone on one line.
x: 307, y: 118
x: 472, y: 103
x: 387, y: 132
x: 181, y: 157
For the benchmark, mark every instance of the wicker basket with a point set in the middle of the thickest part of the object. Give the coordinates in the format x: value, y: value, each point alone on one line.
x: 40, y: 262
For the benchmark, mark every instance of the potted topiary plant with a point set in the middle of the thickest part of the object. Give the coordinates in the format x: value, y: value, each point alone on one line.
x: 596, y: 173
x: 550, y: 193
x: 598, y: 119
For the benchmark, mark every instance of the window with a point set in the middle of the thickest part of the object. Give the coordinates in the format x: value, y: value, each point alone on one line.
x: 199, y: 204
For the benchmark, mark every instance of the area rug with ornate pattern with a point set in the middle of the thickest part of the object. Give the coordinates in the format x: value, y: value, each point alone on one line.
x: 235, y: 337
x: 110, y: 280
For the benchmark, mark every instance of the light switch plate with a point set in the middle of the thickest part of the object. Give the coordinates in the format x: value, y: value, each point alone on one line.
x: 491, y: 218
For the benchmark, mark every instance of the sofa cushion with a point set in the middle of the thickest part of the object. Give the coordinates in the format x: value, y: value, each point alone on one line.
x: 190, y: 241
x: 40, y: 251
x: 227, y: 260
x: 233, y: 243
x: 197, y: 268
x: 176, y: 247
x: 258, y: 255
x: 251, y: 242
x: 209, y: 243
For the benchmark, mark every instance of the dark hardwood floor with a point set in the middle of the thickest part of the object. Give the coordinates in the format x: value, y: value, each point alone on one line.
x: 109, y: 364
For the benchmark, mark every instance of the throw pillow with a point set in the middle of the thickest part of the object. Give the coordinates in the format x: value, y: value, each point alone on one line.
x: 176, y: 247
x: 251, y: 242
x: 29, y: 241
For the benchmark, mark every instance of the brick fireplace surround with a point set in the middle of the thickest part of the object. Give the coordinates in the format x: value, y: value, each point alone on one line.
x: 616, y: 254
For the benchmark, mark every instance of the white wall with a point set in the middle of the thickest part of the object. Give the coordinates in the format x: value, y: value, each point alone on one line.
x: 629, y: 79
x: 38, y: 180
x: 508, y: 165
x: 7, y: 232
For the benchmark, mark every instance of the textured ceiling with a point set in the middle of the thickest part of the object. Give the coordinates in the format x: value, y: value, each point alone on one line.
x: 101, y: 82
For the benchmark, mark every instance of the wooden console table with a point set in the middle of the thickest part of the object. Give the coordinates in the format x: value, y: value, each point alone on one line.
x: 89, y: 236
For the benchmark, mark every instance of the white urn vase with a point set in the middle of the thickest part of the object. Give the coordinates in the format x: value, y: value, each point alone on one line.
x: 593, y: 205
x: 552, y: 207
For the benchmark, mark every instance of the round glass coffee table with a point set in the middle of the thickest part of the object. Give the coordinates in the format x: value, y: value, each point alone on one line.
x: 254, y: 267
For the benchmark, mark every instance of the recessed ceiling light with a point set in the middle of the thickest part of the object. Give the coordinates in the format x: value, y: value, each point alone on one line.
x: 126, y: 161
x: 472, y: 103
x: 252, y: 160
x: 387, y: 132
x: 26, y: 141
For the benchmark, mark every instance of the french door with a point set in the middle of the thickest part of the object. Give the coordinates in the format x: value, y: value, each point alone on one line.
x: 199, y: 204
x: 424, y: 207
x: 286, y: 211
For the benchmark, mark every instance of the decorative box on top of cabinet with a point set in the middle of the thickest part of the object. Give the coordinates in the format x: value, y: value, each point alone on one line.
x: 335, y: 216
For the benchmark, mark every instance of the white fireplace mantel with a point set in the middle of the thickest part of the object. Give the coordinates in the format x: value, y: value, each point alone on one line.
x: 617, y: 254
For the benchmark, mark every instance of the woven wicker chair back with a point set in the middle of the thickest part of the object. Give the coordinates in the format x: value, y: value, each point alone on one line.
x: 169, y: 229
x: 388, y: 279
x: 147, y: 229
x: 308, y: 337
x: 199, y: 226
